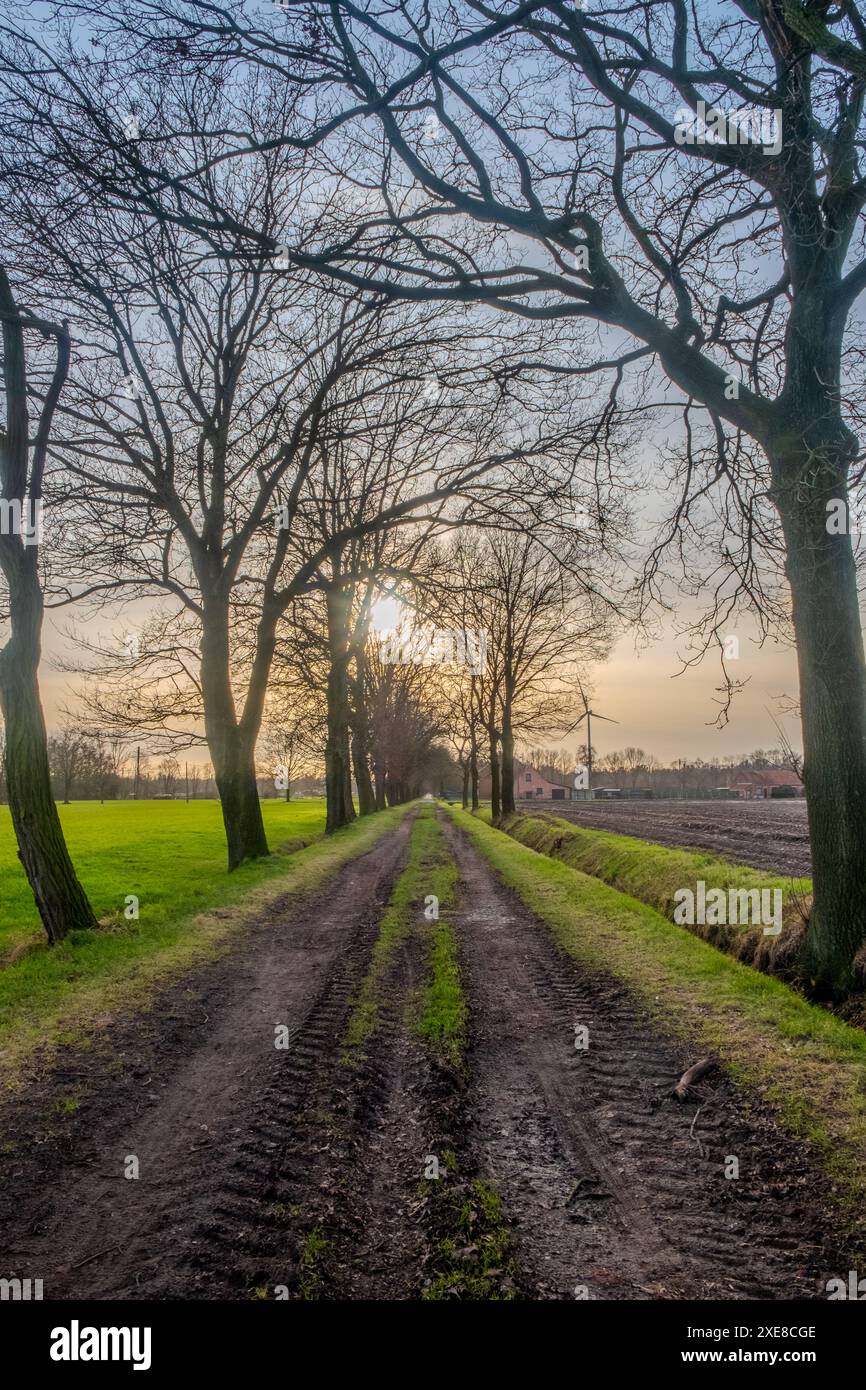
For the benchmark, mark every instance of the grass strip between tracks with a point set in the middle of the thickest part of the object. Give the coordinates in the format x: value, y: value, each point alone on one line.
x: 426, y: 885
x: 60, y: 998
x: 808, y: 1066
x: 471, y: 1247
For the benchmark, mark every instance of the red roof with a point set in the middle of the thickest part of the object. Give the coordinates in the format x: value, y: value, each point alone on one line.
x: 767, y: 777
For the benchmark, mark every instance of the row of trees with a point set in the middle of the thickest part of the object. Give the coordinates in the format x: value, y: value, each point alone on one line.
x: 540, y: 620
x: 244, y: 457
x: 529, y: 163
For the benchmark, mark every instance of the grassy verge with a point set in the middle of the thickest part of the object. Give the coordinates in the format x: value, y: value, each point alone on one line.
x: 470, y: 1242
x: 654, y: 873
x: 806, y: 1065
x: 395, y: 926
x: 56, y: 998
x: 471, y: 1245
x: 442, y: 1014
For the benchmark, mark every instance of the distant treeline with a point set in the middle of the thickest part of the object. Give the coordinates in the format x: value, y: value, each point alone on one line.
x: 634, y: 768
x: 88, y: 765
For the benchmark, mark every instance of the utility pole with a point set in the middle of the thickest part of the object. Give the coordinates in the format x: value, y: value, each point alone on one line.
x: 186, y: 775
x: 137, y: 773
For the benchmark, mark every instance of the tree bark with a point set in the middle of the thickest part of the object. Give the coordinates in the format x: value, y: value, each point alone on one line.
x: 60, y: 899
x: 232, y: 748
x: 363, y: 778
x: 473, y: 770
x: 340, y: 809
x: 466, y: 785
x: 381, y: 797
x: 495, y: 783
x: 361, y: 738
x: 507, y: 758
x: 821, y: 573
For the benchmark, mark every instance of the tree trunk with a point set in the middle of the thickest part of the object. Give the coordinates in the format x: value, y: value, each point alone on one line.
x: 466, y: 785
x: 381, y: 798
x: 361, y: 738
x: 473, y: 771
x: 821, y: 573
x: 235, y: 775
x: 60, y: 898
x: 495, y: 783
x: 507, y: 759
x: 363, y: 778
x: 232, y: 750
x: 340, y: 810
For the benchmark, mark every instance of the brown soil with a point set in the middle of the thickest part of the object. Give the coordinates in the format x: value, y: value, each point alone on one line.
x: 771, y: 835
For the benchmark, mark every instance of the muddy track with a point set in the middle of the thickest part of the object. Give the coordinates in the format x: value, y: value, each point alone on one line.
x: 205, y: 1102
x: 355, y: 1170
x: 355, y: 1159
x: 614, y: 1187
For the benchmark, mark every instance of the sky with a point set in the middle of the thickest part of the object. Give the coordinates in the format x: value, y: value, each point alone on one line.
x: 673, y: 716
x: 667, y: 715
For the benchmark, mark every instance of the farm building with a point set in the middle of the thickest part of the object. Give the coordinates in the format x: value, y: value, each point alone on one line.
x: 537, y: 784
x: 767, y: 783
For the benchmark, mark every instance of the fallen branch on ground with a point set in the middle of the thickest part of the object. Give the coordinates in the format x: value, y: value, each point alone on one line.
x: 688, y: 1078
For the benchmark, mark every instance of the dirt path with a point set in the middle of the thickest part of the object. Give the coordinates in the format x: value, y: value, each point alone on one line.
x: 612, y: 1185
x: 203, y: 1099
x: 267, y: 1172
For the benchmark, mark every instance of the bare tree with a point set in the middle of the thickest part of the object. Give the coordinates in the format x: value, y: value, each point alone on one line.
x: 205, y: 407
x: 698, y: 191
x: 60, y: 899
x: 168, y: 773
x: 720, y: 228
x: 530, y: 620
x: 285, y: 745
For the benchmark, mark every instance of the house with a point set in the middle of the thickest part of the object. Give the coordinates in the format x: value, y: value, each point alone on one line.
x: 532, y: 783
x: 767, y: 783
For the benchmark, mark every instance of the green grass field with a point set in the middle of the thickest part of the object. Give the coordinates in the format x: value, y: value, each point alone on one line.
x: 170, y: 854
x: 172, y: 857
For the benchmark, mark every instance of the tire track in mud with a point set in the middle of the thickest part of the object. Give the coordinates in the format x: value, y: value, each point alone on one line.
x: 356, y: 1158
x: 612, y: 1185
x: 203, y: 1218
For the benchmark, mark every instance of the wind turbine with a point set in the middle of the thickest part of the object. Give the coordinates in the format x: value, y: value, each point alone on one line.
x: 589, y: 715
